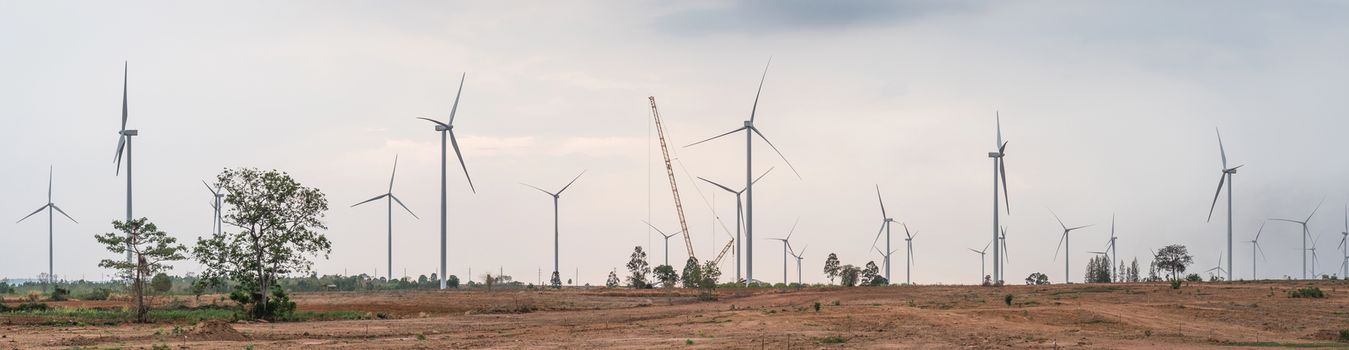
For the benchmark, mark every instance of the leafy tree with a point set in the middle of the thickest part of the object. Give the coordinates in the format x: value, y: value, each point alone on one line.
x: 279, y: 223
x: 1152, y: 272
x: 1037, y: 278
x: 639, y: 268
x: 452, y: 281
x: 1133, y: 271
x: 1194, y: 277
x: 849, y: 275
x: 831, y: 267
x: 869, y: 273
x: 692, y: 273
x: 161, y: 283
x: 1098, y: 270
x: 421, y: 279
x: 612, y: 282
x: 555, y: 280
x: 708, y: 274
x: 1174, y: 258
x: 667, y: 276
x: 150, y: 250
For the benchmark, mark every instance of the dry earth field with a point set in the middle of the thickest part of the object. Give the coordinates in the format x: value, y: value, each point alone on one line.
x: 1123, y: 316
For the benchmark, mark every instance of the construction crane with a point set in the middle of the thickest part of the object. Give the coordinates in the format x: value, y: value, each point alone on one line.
x: 669, y: 170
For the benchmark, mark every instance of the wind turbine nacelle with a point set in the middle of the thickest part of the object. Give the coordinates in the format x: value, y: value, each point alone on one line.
x: 749, y: 123
x: 130, y: 132
x: 994, y: 154
x: 441, y: 128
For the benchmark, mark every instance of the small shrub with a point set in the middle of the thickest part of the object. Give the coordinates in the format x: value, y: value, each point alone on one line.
x: 1344, y: 336
x: 1175, y: 284
x: 1194, y: 277
x: 1307, y: 292
x: 160, y: 347
x: 833, y: 339
x: 95, y: 294
x: 1007, y: 299
x: 817, y: 307
x: 688, y: 341
x: 836, y: 303
x: 60, y: 294
x: 31, y: 307
x: 421, y: 336
x: 1147, y: 333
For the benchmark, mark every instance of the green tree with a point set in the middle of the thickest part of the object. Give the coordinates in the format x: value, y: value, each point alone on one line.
x: 831, y: 267
x: 161, y: 283
x: 452, y: 281
x: 708, y: 276
x: 1037, y: 278
x: 150, y: 250
x: 692, y: 273
x: 555, y: 280
x: 849, y: 275
x: 612, y: 281
x: 1174, y: 258
x: 869, y: 273
x: 1133, y: 271
x: 666, y: 276
x: 639, y: 268
x: 280, y: 223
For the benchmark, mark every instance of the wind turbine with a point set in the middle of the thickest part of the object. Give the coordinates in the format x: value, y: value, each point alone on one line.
x: 999, y: 175
x: 981, y: 259
x: 786, y: 245
x: 739, y: 220
x: 124, y: 145
x: 1219, y: 268
x: 556, y: 196
x: 1114, y: 273
x: 1064, y: 242
x: 1226, y: 177
x: 798, y: 257
x: 216, y: 224
x: 447, y: 129
x: 390, y: 199
x: 1344, y: 244
x: 750, y: 131
x: 885, y: 256
x: 908, y: 240
x: 1255, y: 248
x: 885, y: 228
x: 667, y: 240
x: 1005, y: 256
x: 51, y: 240
x: 1305, y: 234
x: 1314, y: 257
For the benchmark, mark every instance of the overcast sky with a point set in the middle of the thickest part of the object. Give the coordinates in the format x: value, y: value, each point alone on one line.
x: 1107, y: 107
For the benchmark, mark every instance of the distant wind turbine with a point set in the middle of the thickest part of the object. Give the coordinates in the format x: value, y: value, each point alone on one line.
x: 390, y: 199
x: 739, y: 218
x: 786, y: 249
x: 1305, y: 234
x: 216, y: 196
x: 750, y: 131
x: 1219, y: 267
x: 556, y: 238
x: 1006, y: 257
x: 1315, y: 258
x: 908, y: 240
x: 981, y: 259
x: 1114, y: 273
x: 51, y: 240
x: 1225, y: 177
x: 666, y: 240
x: 1063, y: 241
x: 447, y: 129
x: 1344, y: 244
x: 885, y: 228
x: 1255, y: 248
x: 999, y: 175
x: 124, y: 145
x: 799, y: 256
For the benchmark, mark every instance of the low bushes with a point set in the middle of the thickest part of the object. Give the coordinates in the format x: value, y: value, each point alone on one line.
x: 1306, y: 292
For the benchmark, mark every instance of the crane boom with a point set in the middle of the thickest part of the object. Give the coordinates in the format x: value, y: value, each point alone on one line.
x: 723, y: 252
x: 669, y: 170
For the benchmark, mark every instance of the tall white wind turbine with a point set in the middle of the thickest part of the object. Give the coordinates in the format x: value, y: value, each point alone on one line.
x: 885, y: 228
x: 982, y: 260
x: 1219, y: 267
x: 799, y: 256
x: 1255, y: 248
x: 556, y: 237
x: 1110, y: 247
x: 1344, y: 245
x: 750, y: 131
x: 786, y: 249
x: 124, y: 145
x: 1063, y: 242
x: 1306, y: 233
x: 739, y: 217
x: 999, y: 176
x: 51, y: 231
x: 1227, y: 178
x: 390, y: 199
x: 666, y: 240
x: 908, y: 241
x: 216, y: 196
x: 446, y: 131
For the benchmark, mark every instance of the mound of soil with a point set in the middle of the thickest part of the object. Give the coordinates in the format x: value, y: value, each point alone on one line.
x: 215, y: 331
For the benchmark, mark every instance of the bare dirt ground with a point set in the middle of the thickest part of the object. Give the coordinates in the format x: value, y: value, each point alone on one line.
x: 1128, y: 316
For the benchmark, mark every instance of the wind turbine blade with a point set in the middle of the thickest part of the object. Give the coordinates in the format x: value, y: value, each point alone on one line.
x: 728, y: 189
x: 1084, y: 226
x: 1056, y: 217
x: 124, y: 79
x: 715, y: 137
x: 755, y: 108
x: 1221, y: 150
x: 1262, y: 252
x: 1002, y: 171
x: 540, y: 189
x: 878, y: 235
x: 370, y: 200
x: 1318, y: 207
x: 793, y: 230
x: 1221, y: 180
x: 573, y: 180
x: 1262, y: 230
x: 63, y: 212
x: 1005, y: 255
x: 1060, y: 245
x: 455, y: 143
x: 975, y: 251
x: 455, y: 108
x: 770, y: 169
x: 882, y: 201
x: 34, y: 213
x: 394, y: 173
x: 49, y: 184
x: 1288, y: 220
x: 662, y: 233
x: 775, y: 149
x: 208, y: 188
x: 986, y: 246
x: 121, y: 145
x: 443, y: 125
x: 405, y: 207
x: 997, y: 116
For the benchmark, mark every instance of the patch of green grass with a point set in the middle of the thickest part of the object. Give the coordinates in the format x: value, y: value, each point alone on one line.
x: 1307, y: 292
x: 688, y: 341
x: 833, y: 339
